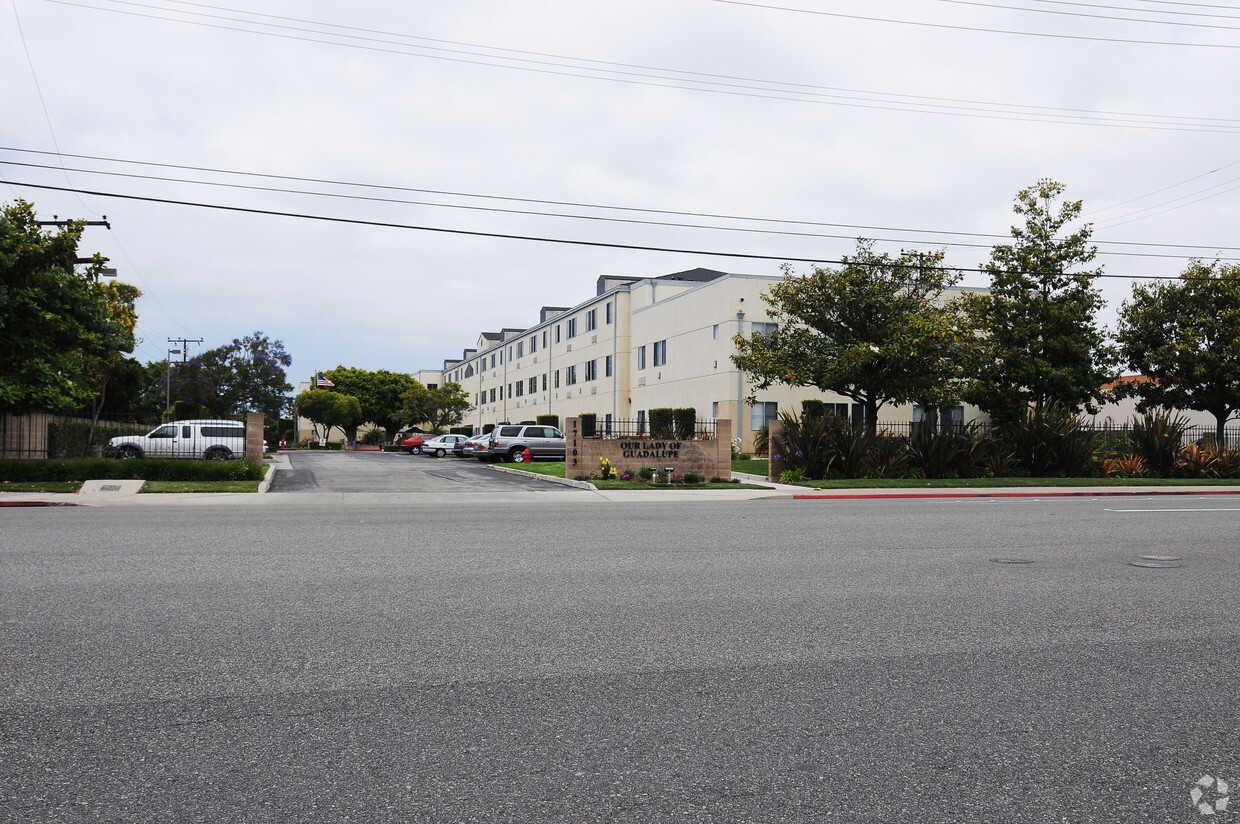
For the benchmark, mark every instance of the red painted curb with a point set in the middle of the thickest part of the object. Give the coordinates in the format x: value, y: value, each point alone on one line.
x: 1076, y: 494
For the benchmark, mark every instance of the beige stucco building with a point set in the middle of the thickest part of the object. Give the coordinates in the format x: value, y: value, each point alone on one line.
x: 637, y: 344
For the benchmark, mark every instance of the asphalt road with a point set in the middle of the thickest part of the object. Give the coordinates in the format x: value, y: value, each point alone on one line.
x: 316, y: 659
x: 395, y: 472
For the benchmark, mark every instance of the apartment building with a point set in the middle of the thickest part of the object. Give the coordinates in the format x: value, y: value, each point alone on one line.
x: 638, y: 344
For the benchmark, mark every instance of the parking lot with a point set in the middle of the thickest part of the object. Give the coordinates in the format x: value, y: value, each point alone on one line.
x: 395, y: 472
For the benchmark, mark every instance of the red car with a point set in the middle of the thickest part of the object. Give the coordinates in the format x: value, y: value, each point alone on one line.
x: 413, y: 444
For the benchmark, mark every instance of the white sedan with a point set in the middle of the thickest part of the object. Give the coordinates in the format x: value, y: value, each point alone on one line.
x: 441, y: 445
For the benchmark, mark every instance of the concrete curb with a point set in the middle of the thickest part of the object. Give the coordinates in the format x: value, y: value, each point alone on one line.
x: 553, y: 478
x: 1078, y: 492
x: 267, y: 479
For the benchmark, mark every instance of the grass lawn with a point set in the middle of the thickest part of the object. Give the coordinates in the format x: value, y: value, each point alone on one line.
x: 556, y: 469
x: 40, y: 486
x: 201, y: 486
x: 751, y: 466
x: 1001, y: 483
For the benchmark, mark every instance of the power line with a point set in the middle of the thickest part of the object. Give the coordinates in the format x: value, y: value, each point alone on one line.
x: 762, y: 221
x: 660, y: 77
x: 507, y: 236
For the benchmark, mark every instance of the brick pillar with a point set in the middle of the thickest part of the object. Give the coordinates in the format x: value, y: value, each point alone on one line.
x: 254, y: 436
x: 775, y: 449
x: 723, y: 447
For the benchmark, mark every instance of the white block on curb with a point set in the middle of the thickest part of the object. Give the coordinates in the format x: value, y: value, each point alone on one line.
x: 111, y: 489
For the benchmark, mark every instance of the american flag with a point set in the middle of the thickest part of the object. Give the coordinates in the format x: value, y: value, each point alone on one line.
x: 325, y: 383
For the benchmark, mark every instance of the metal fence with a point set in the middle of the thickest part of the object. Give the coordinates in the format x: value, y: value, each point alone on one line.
x: 622, y: 429
x: 1202, y: 435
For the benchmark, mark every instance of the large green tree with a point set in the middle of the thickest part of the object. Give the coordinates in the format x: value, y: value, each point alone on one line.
x: 329, y: 410
x: 877, y: 329
x: 60, y: 325
x: 1041, y: 340
x: 246, y: 375
x: 379, y: 393
x: 1185, y: 337
x: 438, y: 408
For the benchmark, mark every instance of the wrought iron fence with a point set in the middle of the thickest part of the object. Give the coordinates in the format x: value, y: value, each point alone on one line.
x: 623, y: 429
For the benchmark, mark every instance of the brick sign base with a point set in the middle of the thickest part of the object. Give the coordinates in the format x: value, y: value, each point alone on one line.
x: 708, y: 458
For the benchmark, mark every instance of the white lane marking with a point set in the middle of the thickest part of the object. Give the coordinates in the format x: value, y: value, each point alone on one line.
x: 1186, y: 509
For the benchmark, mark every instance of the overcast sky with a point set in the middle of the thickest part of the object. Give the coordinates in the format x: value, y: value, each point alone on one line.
x: 765, y: 131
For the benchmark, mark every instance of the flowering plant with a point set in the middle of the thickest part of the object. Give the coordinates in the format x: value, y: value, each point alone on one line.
x: 605, y: 469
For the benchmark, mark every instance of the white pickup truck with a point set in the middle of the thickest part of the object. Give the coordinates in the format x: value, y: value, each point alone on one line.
x: 212, y: 440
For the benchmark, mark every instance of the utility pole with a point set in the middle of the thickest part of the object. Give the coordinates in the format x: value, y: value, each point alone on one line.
x: 184, y: 353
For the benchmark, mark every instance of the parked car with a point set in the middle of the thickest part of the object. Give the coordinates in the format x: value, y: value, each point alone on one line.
x: 213, y: 440
x: 413, y: 444
x: 441, y: 445
x: 508, y: 442
x: 468, y: 447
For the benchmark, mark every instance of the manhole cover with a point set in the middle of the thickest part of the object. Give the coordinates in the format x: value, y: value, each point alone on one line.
x: 1157, y: 564
x: 1161, y: 558
x: 1011, y: 560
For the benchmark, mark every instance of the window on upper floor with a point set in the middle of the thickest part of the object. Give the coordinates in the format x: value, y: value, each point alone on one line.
x: 572, y: 328
x: 607, y: 367
x: 660, y: 352
x: 641, y: 357
x: 591, y: 370
x: 591, y: 320
x: 609, y: 312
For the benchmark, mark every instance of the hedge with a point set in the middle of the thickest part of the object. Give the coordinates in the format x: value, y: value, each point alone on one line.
x: 144, y: 469
x: 69, y: 439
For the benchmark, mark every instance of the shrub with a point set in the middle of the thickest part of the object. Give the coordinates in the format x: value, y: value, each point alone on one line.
x: 487, y: 428
x: 890, y: 455
x: 69, y: 439
x: 937, y: 452
x: 373, y: 437
x: 693, y: 478
x: 811, y: 408
x: 1227, y: 463
x: 851, y: 448
x: 589, y: 424
x: 762, y: 440
x: 146, y: 469
x: 805, y: 444
x: 549, y: 420
x: 1156, y: 438
x: 1053, y: 442
x: 662, y: 423
x: 684, y: 421
x: 792, y: 476
x: 1195, y: 462
x: 646, y: 474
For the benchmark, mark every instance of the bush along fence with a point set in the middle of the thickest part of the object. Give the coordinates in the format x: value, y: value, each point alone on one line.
x: 1054, y: 443
x: 40, y: 435
x: 633, y: 447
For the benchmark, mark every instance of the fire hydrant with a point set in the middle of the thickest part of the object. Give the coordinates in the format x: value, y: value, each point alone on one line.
x: 525, y: 456
x: 282, y: 443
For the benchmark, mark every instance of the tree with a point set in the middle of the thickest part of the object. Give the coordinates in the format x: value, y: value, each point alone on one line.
x: 1037, y: 324
x: 57, y: 322
x: 1185, y: 337
x: 246, y: 375
x: 438, y: 408
x: 329, y: 409
x: 378, y: 392
x: 876, y: 330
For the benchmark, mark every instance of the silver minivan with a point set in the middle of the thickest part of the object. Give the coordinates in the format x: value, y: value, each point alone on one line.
x: 213, y: 440
x: 508, y: 441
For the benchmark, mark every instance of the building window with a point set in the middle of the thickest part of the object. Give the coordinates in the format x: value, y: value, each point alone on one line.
x: 533, y: 385
x: 557, y: 333
x: 641, y: 357
x: 714, y: 409
x: 591, y: 370
x: 533, y: 344
x: 572, y: 328
x: 570, y: 375
x: 591, y: 320
x: 521, y: 349
x: 607, y: 367
x: 520, y: 388
x: 660, y: 353
x: 544, y: 383
x: 641, y: 422
x: 557, y: 379
x: 544, y: 339
x: 492, y: 360
x: 492, y: 394
x: 715, y: 332
x: 764, y: 329
x: 762, y: 414
x: 609, y: 312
